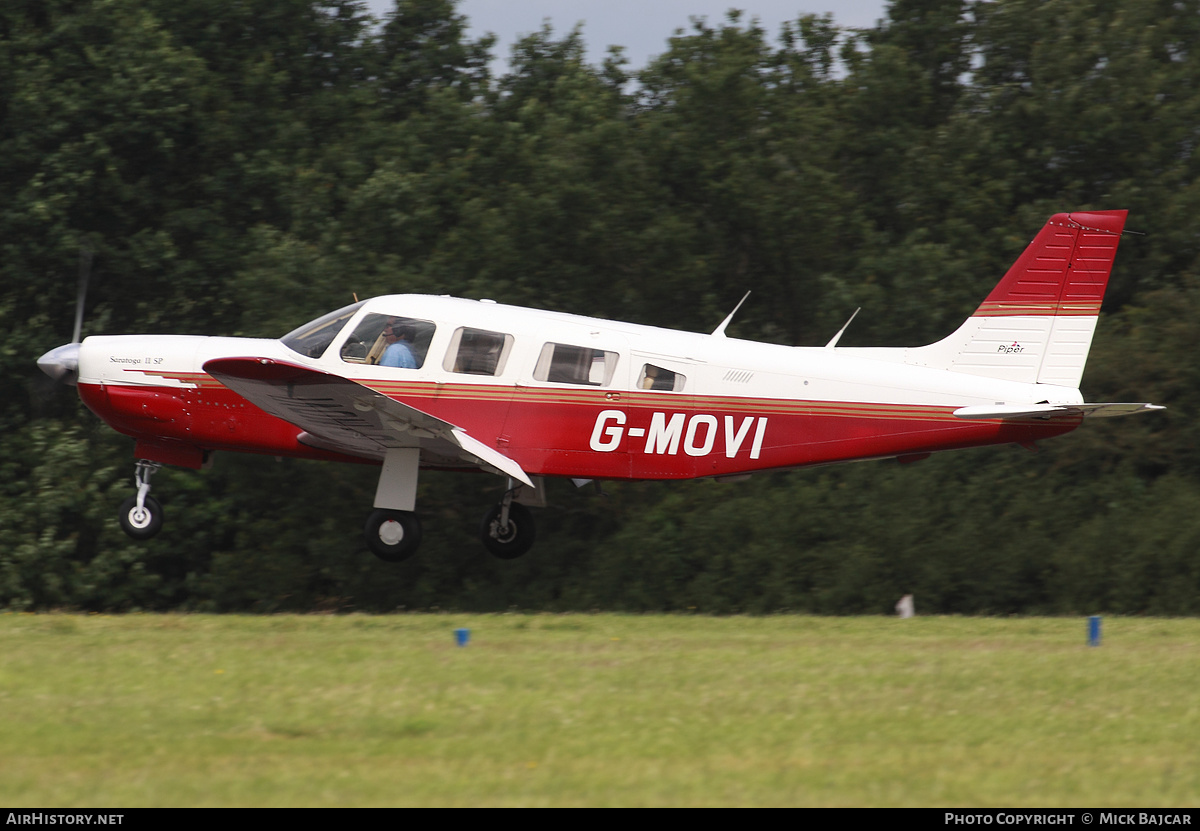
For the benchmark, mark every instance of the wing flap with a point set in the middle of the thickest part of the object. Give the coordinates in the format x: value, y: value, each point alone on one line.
x: 339, y: 414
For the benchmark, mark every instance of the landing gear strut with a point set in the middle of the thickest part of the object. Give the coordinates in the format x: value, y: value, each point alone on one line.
x: 393, y: 531
x: 141, y: 516
x: 508, y: 530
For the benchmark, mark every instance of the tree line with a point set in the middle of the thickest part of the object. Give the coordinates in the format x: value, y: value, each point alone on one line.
x: 239, y: 168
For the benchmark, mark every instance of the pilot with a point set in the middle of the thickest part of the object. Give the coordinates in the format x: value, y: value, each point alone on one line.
x: 398, y: 352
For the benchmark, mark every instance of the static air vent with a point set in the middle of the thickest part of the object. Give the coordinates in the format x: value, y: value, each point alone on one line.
x: 738, y: 376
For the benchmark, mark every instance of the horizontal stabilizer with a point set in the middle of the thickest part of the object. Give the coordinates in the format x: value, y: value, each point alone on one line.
x: 1020, y: 411
x: 1109, y: 410
x: 1012, y: 411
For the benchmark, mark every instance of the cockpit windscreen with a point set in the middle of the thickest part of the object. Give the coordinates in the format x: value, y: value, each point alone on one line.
x: 312, y: 339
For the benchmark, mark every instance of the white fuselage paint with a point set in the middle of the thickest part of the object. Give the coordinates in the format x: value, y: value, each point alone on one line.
x: 713, y: 366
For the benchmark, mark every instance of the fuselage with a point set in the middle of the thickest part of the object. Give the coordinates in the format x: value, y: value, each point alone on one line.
x: 565, y: 395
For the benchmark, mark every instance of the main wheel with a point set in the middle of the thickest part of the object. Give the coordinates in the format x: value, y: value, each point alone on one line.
x: 144, y: 523
x: 393, y: 536
x: 510, y: 541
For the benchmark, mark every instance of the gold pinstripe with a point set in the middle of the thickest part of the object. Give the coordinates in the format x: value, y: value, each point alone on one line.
x: 1066, y: 308
x: 431, y: 390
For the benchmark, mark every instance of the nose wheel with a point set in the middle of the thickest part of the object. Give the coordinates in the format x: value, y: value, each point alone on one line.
x: 141, y: 522
x: 141, y: 516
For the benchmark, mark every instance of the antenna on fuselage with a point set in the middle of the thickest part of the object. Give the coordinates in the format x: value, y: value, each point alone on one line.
x: 833, y: 342
x: 719, y: 332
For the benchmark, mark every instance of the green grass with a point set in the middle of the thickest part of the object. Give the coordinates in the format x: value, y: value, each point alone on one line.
x: 596, y: 710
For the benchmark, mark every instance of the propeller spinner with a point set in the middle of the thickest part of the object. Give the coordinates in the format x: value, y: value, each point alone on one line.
x: 62, y: 362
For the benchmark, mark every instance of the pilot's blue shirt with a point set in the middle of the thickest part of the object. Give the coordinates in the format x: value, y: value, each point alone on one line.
x: 399, y: 355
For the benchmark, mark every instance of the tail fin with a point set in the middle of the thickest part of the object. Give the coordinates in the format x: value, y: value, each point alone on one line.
x: 1037, y: 324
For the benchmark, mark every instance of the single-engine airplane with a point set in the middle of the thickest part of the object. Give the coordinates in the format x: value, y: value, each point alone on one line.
x: 411, y: 382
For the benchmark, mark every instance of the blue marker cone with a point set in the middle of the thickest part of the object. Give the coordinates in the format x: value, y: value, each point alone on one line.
x: 461, y: 636
x: 1094, y: 630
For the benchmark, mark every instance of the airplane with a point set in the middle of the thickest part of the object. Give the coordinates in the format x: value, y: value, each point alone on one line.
x: 412, y: 381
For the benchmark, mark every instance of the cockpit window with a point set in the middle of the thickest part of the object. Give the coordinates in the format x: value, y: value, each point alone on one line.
x: 389, y: 340
x: 312, y: 339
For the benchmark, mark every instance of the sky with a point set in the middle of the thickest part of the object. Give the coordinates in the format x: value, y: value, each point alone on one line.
x: 641, y: 26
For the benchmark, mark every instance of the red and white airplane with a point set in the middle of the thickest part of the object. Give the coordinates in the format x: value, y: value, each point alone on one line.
x: 412, y: 382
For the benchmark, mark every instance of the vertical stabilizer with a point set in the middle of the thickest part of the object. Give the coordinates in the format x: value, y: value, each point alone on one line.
x: 1037, y: 324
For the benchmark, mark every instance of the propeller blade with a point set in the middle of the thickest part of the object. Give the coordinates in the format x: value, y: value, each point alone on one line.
x: 85, y: 272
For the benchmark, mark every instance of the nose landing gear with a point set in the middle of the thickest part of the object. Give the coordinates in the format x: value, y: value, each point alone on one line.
x: 141, y: 516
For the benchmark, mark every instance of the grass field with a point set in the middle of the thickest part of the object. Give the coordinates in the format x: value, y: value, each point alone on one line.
x: 181, y: 710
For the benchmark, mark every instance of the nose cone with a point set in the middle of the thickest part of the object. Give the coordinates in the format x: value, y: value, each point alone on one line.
x: 61, y: 363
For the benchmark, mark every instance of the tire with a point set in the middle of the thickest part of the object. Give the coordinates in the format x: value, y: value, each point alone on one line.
x: 513, y: 541
x: 144, y: 524
x: 393, y: 536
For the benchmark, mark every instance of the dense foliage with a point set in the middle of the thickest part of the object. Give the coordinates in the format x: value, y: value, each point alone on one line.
x: 240, y: 167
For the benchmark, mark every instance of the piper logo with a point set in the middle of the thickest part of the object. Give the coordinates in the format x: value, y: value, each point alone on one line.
x: 697, y: 435
x: 1016, y: 347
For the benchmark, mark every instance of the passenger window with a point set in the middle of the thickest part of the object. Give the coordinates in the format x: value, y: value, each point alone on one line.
x: 477, y: 352
x: 565, y: 364
x: 656, y: 378
x: 389, y: 340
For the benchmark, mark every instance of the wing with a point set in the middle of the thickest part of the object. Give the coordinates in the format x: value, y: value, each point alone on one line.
x: 1011, y: 411
x: 336, y: 413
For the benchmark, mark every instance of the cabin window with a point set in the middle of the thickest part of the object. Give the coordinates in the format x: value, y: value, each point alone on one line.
x: 313, y: 338
x: 389, y: 340
x: 477, y: 352
x: 656, y: 378
x: 564, y: 364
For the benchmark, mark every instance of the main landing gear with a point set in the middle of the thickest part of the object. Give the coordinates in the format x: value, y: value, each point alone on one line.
x: 393, y: 536
x: 508, y: 530
x: 393, y: 530
x: 141, y: 516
